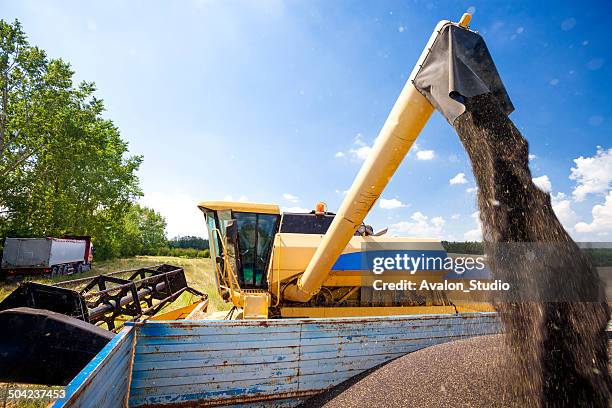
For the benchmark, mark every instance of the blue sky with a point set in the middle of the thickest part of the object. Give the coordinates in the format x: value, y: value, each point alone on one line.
x: 279, y: 101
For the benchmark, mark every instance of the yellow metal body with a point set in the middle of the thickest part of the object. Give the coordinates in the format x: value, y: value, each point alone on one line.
x: 240, y: 206
x: 465, y: 19
x: 292, y: 253
x: 184, y: 312
x: 255, y: 306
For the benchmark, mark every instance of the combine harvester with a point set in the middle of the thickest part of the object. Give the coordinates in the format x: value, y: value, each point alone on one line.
x: 305, y: 317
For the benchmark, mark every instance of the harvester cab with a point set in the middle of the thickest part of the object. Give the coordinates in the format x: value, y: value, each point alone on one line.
x: 241, y: 234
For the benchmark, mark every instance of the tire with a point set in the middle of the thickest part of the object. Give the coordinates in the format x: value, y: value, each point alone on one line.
x: 55, y: 271
x: 79, y: 268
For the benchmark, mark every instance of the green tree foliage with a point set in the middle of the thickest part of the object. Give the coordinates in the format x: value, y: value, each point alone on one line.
x: 144, y: 231
x: 181, y: 252
x: 188, y: 241
x: 64, y: 169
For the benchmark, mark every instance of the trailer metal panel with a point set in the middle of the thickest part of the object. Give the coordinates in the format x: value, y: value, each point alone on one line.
x: 231, y: 362
x: 257, y: 363
x: 26, y: 253
x: 104, y: 382
x: 42, y: 252
x: 64, y: 251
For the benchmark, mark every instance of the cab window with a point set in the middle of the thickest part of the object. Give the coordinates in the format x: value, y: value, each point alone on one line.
x: 255, y: 236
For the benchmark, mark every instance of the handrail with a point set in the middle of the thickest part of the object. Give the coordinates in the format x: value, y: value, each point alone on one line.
x: 229, y: 271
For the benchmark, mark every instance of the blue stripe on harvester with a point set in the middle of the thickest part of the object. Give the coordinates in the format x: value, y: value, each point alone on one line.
x: 363, y: 260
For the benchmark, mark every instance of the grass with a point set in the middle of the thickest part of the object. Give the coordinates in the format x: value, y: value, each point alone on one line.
x: 199, y: 273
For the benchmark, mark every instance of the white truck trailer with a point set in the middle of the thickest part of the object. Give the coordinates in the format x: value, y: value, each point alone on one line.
x: 55, y: 256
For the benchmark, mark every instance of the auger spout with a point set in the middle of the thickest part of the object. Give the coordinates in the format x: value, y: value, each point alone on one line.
x: 407, y: 118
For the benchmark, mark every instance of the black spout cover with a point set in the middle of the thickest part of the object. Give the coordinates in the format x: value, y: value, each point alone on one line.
x: 459, y: 66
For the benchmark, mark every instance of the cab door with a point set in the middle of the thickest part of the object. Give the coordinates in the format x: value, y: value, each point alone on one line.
x: 255, y: 237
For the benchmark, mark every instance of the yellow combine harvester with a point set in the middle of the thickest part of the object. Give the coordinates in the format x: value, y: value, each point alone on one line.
x: 273, y: 264
x: 317, y: 265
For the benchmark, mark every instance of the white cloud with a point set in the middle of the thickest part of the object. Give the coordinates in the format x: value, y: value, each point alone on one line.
x: 419, y: 226
x: 458, y: 179
x: 425, y: 154
x: 471, y: 190
x: 291, y: 198
x: 602, y: 218
x: 362, y: 152
x: 473, y: 235
x: 568, y: 24
x: 455, y: 216
x: 295, y: 209
x: 476, y: 233
x: 390, y: 204
x: 532, y: 157
x: 180, y: 211
x: 564, y: 211
x: 92, y: 26
x: 593, y: 175
x: 241, y: 199
x: 543, y: 183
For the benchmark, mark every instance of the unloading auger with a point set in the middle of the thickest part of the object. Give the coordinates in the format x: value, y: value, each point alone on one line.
x: 311, y: 264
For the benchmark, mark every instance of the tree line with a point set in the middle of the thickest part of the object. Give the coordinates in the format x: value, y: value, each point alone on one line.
x: 188, y: 241
x: 186, y: 247
x: 64, y: 167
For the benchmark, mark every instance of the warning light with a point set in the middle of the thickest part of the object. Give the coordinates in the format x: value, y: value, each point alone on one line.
x: 321, y: 208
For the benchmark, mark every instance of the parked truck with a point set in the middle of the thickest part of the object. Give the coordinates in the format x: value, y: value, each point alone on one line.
x: 54, y: 256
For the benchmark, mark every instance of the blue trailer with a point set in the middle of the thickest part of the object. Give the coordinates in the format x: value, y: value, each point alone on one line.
x: 257, y: 363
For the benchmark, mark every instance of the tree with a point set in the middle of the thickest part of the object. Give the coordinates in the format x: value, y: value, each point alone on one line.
x: 188, y: 242
x: 64, y: 168
x: 33, y: 91
x: 144, y: 231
